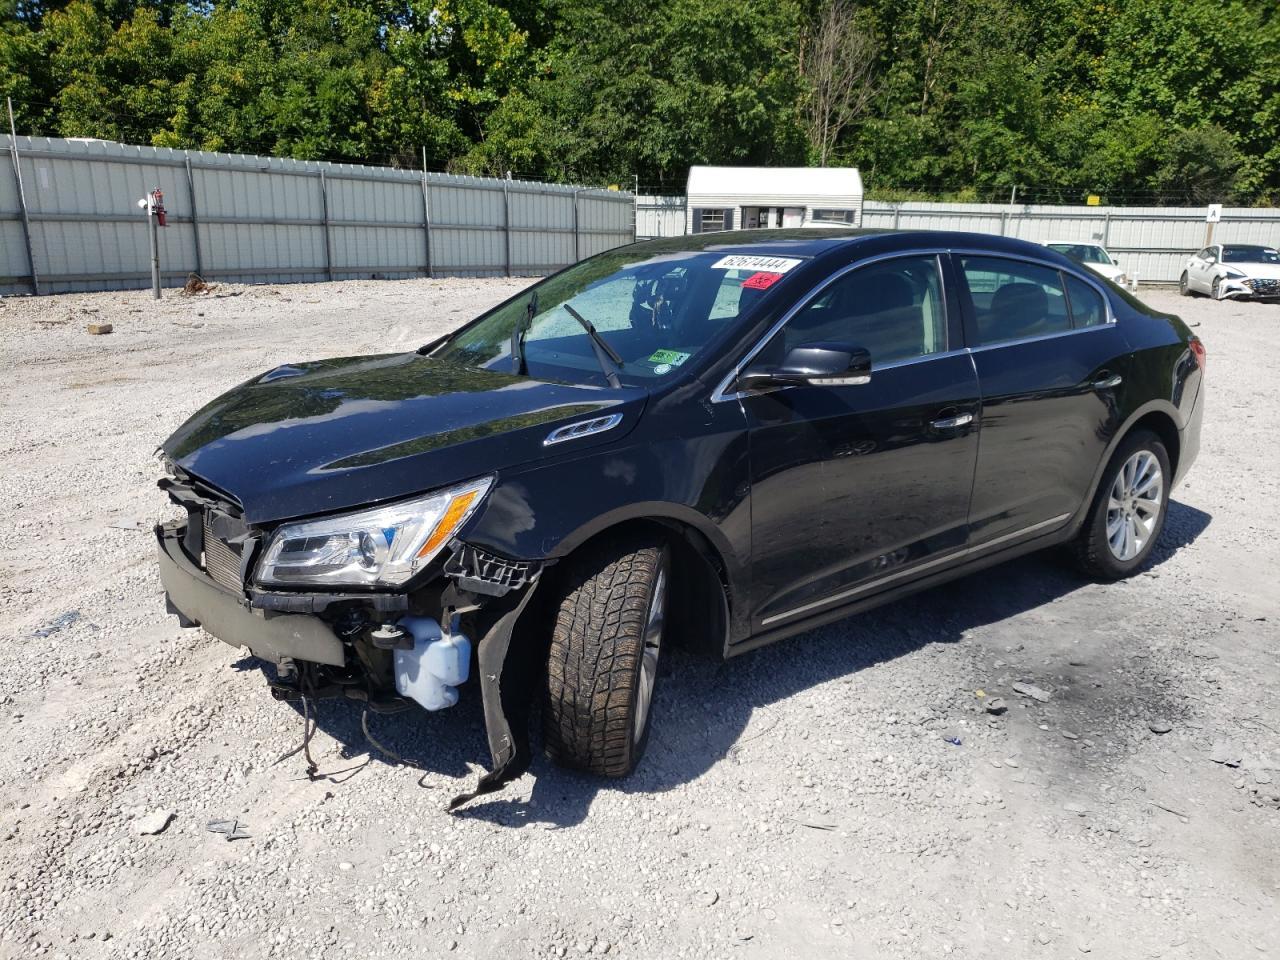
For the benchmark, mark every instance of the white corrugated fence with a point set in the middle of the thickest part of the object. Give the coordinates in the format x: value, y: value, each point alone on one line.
x: 241, y: 218
x: 1152, y: 243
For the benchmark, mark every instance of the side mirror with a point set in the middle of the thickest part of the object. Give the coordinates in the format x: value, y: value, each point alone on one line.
x: 812, y: 364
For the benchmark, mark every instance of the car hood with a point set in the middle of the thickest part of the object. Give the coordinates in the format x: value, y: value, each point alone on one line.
x: 339, y: 434
x: 1256, y: 271
x: 1108, y: 270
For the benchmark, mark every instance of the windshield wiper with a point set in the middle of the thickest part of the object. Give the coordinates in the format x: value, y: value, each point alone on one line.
x: 518, y: 365
x: 604, y: 353
x: 432, y: 345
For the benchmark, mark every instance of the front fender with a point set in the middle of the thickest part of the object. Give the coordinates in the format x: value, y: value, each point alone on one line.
x: 700, y: 481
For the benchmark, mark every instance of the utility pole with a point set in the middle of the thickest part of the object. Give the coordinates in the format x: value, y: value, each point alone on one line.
x: 153, y: 206
x: 155, y: 251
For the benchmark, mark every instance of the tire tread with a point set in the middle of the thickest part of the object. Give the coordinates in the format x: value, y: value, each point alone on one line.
x: 594, y: 658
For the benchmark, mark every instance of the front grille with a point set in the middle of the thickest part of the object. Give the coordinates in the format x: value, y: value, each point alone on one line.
x: 1266, y: 288
x: 221, y: 562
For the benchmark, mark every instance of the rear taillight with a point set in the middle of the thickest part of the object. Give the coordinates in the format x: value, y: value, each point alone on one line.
x: 1197, y: 348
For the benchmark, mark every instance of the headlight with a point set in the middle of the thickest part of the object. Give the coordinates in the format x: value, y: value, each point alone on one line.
x: 1235, y: 274
x: 380, y: 547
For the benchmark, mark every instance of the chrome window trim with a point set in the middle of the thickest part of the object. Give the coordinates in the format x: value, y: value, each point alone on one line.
x: 960, y: 554
x: 999, y: 344
x: 720, y: 394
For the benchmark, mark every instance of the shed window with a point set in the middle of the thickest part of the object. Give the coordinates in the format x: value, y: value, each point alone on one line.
x: 708, y: 220
x: 832, y: 216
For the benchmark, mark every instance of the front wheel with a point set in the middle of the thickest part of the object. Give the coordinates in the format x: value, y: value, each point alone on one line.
x: 602, y: 668
x: 1184, y: 284
x: 1217, y: 288
x: 1128, y: 513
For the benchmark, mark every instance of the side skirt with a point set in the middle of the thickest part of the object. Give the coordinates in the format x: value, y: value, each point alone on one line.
x: 897, y: 592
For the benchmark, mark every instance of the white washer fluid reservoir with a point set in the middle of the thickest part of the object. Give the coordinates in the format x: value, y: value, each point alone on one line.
x: 438, y: 664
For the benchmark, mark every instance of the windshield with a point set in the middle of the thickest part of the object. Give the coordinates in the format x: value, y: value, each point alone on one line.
x: 1082, y: 252
x: 654, y: 314
x: 1241, y: 253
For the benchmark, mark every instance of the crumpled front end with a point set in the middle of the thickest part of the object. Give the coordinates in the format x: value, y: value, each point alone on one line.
x: 387, y: 649
x: 1248, y: 288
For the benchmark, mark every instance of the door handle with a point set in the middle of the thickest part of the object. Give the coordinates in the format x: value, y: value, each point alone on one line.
x: 950, y: 423
x: 1108, y: 381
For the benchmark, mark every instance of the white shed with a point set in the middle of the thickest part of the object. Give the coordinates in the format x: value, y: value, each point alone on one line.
x: 747, y: 198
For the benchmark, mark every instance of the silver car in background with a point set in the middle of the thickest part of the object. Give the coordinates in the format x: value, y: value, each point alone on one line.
x: 1241, y: 271
x: 1095, y: 257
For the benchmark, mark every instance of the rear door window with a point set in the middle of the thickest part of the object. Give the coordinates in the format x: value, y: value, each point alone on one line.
x: 1087, y: 306
x: 1013, y: 300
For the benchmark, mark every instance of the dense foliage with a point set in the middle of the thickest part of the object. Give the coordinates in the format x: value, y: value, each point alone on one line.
x: 1136, y: 100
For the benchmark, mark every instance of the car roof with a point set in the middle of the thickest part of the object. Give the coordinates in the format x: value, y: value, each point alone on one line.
x: 808, y: 242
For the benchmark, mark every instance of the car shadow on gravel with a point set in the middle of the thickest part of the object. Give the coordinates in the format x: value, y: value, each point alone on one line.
x: 704, y: 706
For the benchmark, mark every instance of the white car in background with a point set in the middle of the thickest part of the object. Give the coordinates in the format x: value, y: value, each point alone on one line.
x: 1092, y: 255
x: 1246, y: 271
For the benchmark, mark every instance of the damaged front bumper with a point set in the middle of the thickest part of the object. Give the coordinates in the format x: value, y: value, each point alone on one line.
x: 1248, y: 288
x: 333, y: 630
x: 198, y: 601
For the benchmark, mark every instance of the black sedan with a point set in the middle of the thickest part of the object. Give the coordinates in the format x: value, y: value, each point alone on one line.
x: 717, y: 440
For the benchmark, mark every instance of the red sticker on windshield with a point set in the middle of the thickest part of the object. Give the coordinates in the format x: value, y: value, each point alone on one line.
x: 760, y: 281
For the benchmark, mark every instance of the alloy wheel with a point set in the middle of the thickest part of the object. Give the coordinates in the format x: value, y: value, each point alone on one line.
x: 652, y: 650
x: 1133, y: 509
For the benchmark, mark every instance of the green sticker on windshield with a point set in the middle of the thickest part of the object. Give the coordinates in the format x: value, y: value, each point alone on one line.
x: 672, y: 357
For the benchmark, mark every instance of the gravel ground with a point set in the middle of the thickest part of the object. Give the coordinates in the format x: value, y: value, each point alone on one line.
x: 804, y: 800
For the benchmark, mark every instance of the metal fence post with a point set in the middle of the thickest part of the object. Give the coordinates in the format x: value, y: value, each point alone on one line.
x: 195, y: 221
x: 426, y: 212
x: 1004, y: 214
x: 577, y: 229
x: 22, y: 201
x: 506, y: 224
x: 324, y: 205
x: 1106, y: 229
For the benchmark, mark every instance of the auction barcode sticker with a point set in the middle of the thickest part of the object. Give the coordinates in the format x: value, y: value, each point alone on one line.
x: 766, y: 264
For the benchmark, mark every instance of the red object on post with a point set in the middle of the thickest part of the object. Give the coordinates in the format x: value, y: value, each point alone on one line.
x: 157, y: 205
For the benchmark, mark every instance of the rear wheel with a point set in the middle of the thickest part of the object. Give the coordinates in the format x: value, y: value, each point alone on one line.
x: 602, y: 668
x: 1184, y: 284
x: 1128, y: 513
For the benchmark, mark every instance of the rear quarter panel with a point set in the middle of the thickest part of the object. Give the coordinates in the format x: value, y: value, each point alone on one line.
x: 1163, y: 378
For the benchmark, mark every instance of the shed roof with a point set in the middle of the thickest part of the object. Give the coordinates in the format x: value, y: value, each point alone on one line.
x: 750, y: 182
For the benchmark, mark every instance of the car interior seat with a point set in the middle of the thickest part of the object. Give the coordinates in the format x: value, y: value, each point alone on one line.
x: 1018, y: 309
